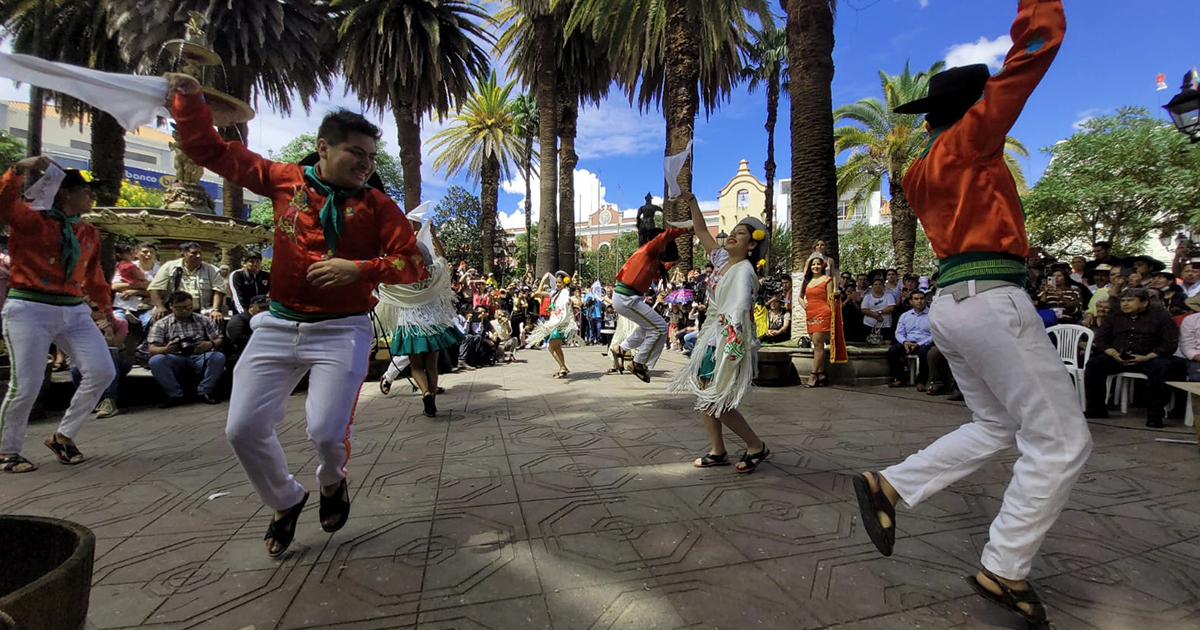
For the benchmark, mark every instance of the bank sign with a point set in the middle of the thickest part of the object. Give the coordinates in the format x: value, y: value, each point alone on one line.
x: 162, y: 181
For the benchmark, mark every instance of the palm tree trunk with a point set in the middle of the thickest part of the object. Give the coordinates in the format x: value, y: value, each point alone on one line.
x: 547, y: 100
x: 904, y: 228
x: 408, y: 132
x: 108, y: 156
x: 37, y: 110
x: 814, y: 195
x: 232, y: 195
x: 680, y: 104
x: 489, y: 183
x: 528, y: 157
x: 569, y: 111
x: 769, y: 167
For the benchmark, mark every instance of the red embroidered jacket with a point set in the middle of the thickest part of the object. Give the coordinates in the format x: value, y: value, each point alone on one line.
x: 961, y: 189
x: 376, y: 234
x: 34, y: 247
x: 640, y: 271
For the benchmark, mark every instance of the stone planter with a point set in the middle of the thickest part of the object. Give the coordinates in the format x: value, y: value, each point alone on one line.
x: 775, y: 367
x: 47, y: 576
x: 867, y: 365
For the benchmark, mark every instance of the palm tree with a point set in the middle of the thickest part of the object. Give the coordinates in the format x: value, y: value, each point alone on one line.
x: 525, y: 118
x: 76, y: 32
x: 415, y: 57
x: 680, y: 53
x: 883, y: 144
x: 277, y: 51
x: 767, y: 67
x: 583, y: 76
x: 483, y: 139
x: 547, y: 40
x: 814, y: 179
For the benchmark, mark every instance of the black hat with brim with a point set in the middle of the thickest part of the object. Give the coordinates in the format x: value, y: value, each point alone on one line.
x: 1156, y: 265
x: 950, y: 89
x: 75, y: 179
x: 374, y: 181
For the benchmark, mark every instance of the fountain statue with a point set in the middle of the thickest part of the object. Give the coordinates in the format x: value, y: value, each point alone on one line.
x: 645, y: 220
x: 193, y: 56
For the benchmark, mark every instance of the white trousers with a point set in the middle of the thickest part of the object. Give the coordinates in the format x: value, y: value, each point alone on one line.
x: 650, y: 336
x: 29, y: 329
x: 1013, y: 381
x: 397, y: 366
x: 335, y: 353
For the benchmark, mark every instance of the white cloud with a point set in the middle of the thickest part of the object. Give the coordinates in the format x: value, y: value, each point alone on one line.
x: 1084, y: 116
x: 617, y: 129
x: 923, y: 3
x: 982, y: 50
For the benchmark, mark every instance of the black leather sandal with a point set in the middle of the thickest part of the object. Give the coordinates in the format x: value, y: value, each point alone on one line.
x: 335, y: 510
x: 67, y: 454
x: 711, y: 459
x: 750, y: 461
x: 1010, y: 599
x: 284, y: 530
x: 11, y: 463
x: 870, y: 504
x: 640, y: 371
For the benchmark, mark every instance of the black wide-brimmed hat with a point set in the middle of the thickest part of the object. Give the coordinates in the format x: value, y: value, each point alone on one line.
x: 1156, y: 265
x: 954, y: 88
x: 74, y: 179
x: 374, y: 181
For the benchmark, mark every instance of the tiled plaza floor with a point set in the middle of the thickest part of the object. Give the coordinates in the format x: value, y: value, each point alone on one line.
x: 537, y: 503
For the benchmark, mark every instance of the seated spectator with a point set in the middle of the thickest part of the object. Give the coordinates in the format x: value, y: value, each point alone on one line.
x: 1139, y: 339
x: 237, y: 331
x: 877, y: 306
x: 1172, y: 294
x: 192, y: 275
x: 130, y: 284
x: 1078, y: 263
x: 779, y: 323
x: 1117, y: 280
x: 912, y: 338
x: 1189, y: 279
x: 185, y: 343
x: 479, y: 348
x: 114, y: 336
x: 1189, y: 340
x: 1103, y: 310
x: 1060, y: 296
x: 248, y: 282
x: 504, y: 335
x: 939, y: 373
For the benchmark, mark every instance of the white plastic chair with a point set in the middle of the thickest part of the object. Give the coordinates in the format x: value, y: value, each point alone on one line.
x: 914, y: 366
x: 1067, y: 338
x: 1120, y: 385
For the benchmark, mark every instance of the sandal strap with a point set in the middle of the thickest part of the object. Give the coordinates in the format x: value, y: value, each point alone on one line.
x: 9, y: 462
x: 1014, y: 597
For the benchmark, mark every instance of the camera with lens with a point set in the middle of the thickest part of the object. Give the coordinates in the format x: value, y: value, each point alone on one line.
x: 187, y: 347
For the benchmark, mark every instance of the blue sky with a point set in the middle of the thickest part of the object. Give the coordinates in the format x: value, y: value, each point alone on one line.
x: 1112, y: 53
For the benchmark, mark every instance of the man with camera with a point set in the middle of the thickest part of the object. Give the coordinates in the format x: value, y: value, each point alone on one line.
x: 185, y: 342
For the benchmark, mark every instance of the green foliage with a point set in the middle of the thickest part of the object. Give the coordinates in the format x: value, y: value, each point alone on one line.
x: 134, y: 196
x: 299, y: 147
x: 12, y: 149
x: 608, y: 260
x: 781, y: 251
x: 867, y: 247
x: 1121, y: 178
x: 457, y: 217
x: 526, y: 266
x: 486, y: 129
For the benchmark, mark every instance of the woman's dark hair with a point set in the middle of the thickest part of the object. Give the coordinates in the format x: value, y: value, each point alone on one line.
x: 122, y: 248
x: 808, y: 274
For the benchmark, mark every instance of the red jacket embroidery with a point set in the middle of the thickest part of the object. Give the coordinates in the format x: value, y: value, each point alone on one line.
x: 640, y: 271
x: 34, y: 247
x: 961, y: 189
x: 377, y: 235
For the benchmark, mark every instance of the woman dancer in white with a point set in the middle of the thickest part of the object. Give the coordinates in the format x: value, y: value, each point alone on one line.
x: 424, y: 316
x: 723, y: 366
x: 561, y: 326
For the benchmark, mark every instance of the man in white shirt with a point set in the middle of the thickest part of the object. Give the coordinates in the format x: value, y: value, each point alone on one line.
x: 192, y: 275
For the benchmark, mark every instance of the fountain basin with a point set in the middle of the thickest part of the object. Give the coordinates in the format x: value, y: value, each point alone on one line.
x: 47, y: 576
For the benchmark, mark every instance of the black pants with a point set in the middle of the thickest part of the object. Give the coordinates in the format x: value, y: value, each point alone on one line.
x: 1158, y: 372
x: 898, y: 362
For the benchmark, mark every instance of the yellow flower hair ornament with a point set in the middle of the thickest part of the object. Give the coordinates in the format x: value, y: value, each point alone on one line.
x: 566, y: 279
x: 762, y: 263
x: 759, y: 235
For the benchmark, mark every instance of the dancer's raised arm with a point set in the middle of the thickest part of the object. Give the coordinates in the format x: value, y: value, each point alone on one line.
x: 706, y: 240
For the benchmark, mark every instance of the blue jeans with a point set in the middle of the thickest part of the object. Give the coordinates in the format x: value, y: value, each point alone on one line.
x: 120, y: 361
x: 689, y: 340
x: 594, y: 325
x: 168, y: 367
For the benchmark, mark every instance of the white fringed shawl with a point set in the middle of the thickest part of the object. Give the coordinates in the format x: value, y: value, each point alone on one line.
x: 730, y: 331
x: 427, y: 306
x: 562, y: 318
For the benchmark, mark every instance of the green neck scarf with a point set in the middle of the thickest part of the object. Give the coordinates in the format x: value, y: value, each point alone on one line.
x: 70, y: 244
x: 332, y: 217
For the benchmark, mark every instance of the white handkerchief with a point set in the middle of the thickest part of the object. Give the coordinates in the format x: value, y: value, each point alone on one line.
x: 133, y: 100
x: 41, y: 194
x: 418, y: 213
x: 672, y: 164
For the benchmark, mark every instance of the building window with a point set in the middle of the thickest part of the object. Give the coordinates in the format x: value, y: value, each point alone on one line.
x: 81, y: 145
x: 743, y: 198
x: 141, y: 157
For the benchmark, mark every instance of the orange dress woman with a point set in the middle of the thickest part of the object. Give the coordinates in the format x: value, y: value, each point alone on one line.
x: 818, y: 313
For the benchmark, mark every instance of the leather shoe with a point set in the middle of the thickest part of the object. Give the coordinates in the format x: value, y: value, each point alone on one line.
x: 896, y: 383
x: 1154, y: 423
x: 209, y: 399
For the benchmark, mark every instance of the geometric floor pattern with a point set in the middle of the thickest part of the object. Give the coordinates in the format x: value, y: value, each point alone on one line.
x: 538, y: 503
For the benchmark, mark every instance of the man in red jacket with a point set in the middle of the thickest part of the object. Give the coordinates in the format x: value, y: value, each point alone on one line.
x: 984, y: 323
x: 55, y: 272
x: 629, y: 298
x: 336, y: 239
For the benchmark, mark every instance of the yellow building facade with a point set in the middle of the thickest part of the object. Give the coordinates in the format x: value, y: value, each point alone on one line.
x: 744, y: 196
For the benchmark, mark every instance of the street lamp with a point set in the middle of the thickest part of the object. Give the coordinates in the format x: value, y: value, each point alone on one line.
x: 1184, y: 108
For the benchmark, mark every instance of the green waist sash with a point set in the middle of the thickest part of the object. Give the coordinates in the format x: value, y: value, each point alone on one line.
x: 981, y: 266
x: 625, y: 289
x: 57, y: 299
